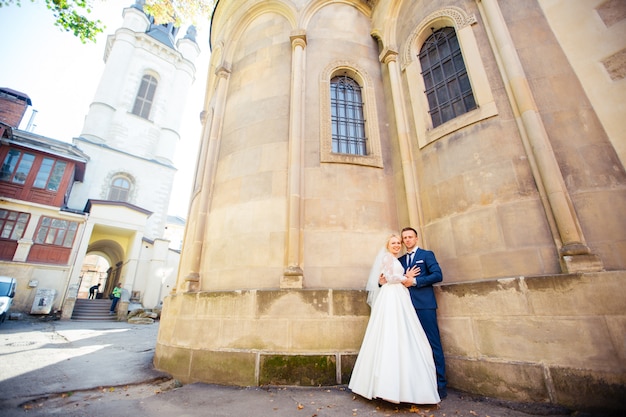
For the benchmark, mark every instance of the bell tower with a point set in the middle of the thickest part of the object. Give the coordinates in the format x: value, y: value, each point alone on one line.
x: 132, y: 126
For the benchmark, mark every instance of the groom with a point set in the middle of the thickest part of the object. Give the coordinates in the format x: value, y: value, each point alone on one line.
x: 423, y: 297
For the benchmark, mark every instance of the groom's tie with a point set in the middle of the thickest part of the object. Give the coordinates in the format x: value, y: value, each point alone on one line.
x: 409, y: 258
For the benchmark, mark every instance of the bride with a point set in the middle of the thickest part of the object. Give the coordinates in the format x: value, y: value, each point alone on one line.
x: 395, y: 362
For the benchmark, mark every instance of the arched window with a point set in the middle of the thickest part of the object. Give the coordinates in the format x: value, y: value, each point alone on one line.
x: 447, y: 85
x: 145, y: 96
x: 120, y: 189
x: 348, y: 123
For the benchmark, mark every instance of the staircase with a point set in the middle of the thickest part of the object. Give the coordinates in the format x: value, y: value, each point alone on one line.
x: 98, y: 309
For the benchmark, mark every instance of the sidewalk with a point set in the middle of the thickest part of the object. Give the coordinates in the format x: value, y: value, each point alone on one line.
x: 98, y: 369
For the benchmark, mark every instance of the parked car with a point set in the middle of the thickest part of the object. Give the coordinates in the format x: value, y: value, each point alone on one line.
x: 7, y: 292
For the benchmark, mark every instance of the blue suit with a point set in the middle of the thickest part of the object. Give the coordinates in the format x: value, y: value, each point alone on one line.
x: 423, y: 299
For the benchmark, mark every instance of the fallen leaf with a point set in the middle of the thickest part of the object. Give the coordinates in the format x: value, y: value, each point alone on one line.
x: 300, y: 406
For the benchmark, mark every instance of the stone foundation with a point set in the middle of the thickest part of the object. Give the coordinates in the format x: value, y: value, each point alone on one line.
x: 555, y: 339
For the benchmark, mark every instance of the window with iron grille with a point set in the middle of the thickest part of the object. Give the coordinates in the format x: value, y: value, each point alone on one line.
x: 145, y: 96
x: 120, y: 189
x: 56, y: 232
x: 448, y: 88
x: 348, y: 123
x: 13, y: 224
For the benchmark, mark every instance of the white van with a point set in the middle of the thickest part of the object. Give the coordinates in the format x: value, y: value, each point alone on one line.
x: 7, y: 292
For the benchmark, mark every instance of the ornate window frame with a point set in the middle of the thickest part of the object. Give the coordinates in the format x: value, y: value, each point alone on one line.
x: 106, y: 194
x: 486, y: 106
x: 374, y: 155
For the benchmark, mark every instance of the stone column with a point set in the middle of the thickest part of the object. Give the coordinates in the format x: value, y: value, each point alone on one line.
x: 390, y: 58
x: 575, y: 255
x: 131, y: 263
x: 293, y: 275
x: 196, y: 225
x: 73, y: 280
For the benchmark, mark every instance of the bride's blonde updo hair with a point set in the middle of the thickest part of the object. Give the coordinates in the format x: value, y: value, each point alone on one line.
x: 389, y: 241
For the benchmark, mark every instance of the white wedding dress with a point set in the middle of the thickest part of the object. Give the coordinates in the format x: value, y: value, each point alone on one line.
x: 395, y: 362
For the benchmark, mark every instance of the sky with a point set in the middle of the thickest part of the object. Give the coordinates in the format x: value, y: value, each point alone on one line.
x: 60, y: 74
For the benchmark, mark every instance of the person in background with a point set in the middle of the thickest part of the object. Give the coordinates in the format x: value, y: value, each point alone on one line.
x: 93, y: 290
x: 423, y: 297
x: 116, y: 294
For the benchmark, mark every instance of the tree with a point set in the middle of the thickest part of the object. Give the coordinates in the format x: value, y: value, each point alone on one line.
x: 70, y: 14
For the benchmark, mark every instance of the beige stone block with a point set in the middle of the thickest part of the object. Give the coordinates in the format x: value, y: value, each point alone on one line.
x: 521, y: 261
x: 493, y: 298
x: 187, y: 303
x: 452, y: 196
x: 237, y: 221
x: 226, y: 304
x: 617, y: 330
x: 226, y: 194
x: 477, y: 232
x: 274, y: 158
x: 198, y: 333
x: 257, y: 187
x: 318, y: 181
x: 293, y: 303
x: 349, y: 303
x: 550, y: 259
x: 227, y: 368
x: 593, y: 294
x: 264, y: 334
x: 456, y: 270
x: 613, y: 254
x: 516, y: 381
x: 438, y: 237
x: 185, y: 332
x: 339, y: 334
x: 313, y: 277
x: 244, y: 162
x: 578, y: 342
x: 527, y: 186
x: 581, y: 389
x: 524, y: 225
x: 457, y: 336
x: 299, y: 370
x: 489, y: 184
x: 320, y: 248
x: 343, y: 277
x: 600, y: 214
x: 173, y: 360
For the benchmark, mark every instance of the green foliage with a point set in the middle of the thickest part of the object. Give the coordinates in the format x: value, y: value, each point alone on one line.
x: 179, y: 11
x: 70, y: 17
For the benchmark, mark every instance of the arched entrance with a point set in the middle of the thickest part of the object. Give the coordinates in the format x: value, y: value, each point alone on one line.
x: 94, y: 271
x: 113, y: 254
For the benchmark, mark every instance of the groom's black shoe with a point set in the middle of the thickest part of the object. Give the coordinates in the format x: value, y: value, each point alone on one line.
x: 443, y: 393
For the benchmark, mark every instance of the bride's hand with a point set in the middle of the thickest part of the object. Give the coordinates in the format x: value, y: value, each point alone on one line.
x: 410, y: 274
x: 382, y: 280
